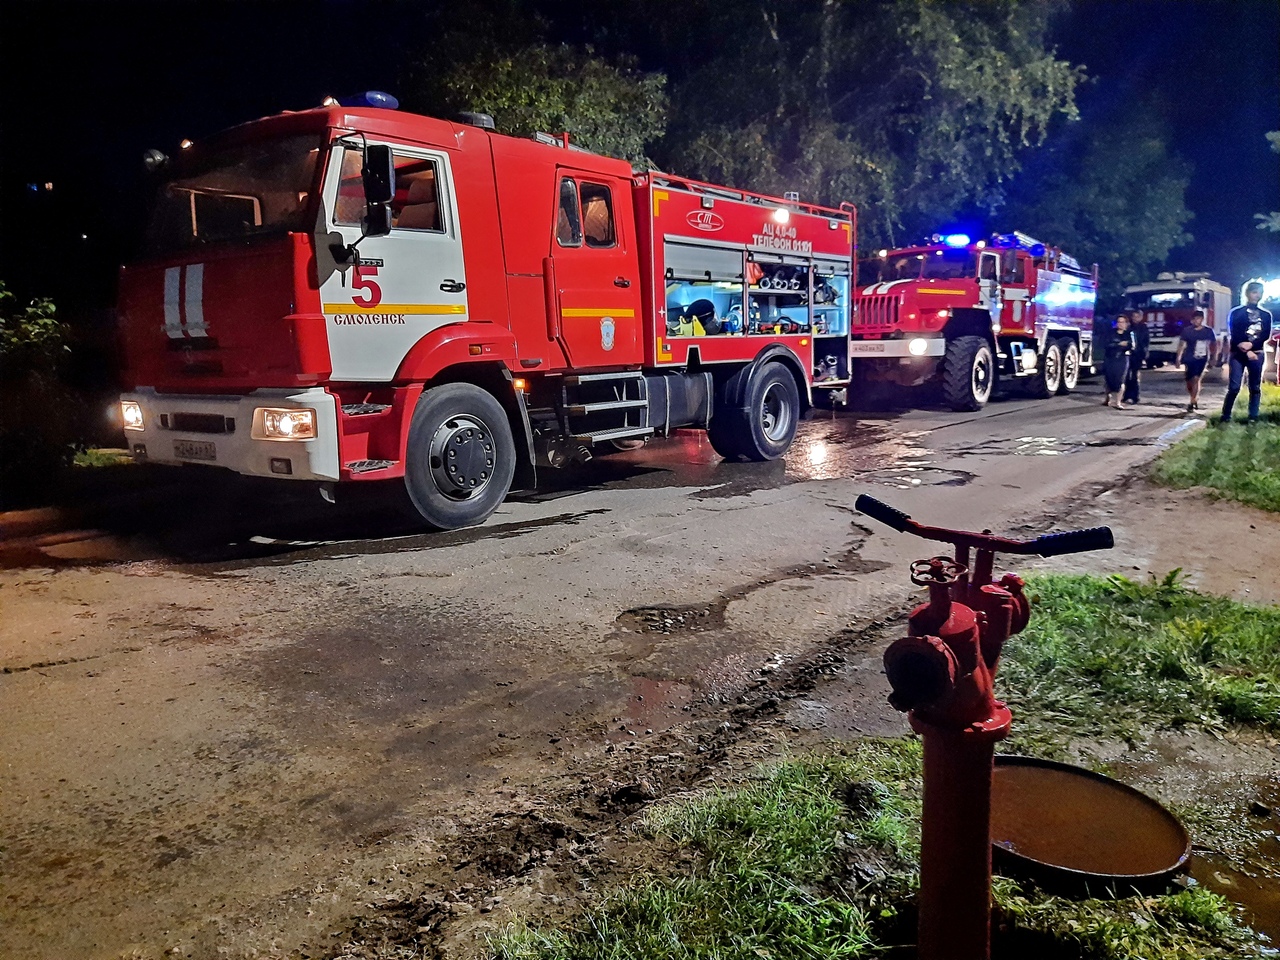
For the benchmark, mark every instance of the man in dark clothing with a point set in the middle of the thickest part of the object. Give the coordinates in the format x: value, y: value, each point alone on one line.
x: 1142, y: 346
x: 1249, y: 327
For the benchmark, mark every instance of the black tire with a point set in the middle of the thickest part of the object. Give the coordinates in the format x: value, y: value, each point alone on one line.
x: 1070, y: 365
x: 763, y: 425
x: 968, y: 373
x: 461, y: 457
x: 1048, y: 376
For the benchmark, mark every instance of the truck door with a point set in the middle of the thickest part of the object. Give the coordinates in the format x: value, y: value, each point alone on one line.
x: 594, y: 272
x: 407, y: 283
x: 989, y: 295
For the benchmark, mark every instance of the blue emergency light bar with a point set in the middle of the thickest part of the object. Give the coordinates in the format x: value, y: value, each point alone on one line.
x: 956, y: 239
x: 370, y: 98
x: 1019, y: 241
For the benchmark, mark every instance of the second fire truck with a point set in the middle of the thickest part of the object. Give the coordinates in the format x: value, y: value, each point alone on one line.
x: 1168, y: 303
x: 969, y: 315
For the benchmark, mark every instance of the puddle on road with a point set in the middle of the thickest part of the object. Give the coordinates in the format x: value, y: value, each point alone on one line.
x: 1255, y: 883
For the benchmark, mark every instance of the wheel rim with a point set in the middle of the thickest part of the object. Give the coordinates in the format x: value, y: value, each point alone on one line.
x: 462, y: 457
x: 776, y: 414
x: 1071, y: 367
x: 1052, y: 368
x: 980, y: 380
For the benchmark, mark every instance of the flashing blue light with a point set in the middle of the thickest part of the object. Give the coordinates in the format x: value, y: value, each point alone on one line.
x: 1019, y: 241
x: 370, y: 98
x: 956, y: 239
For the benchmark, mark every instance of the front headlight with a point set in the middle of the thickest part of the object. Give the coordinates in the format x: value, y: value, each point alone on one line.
x: 131, y: 414
x: 270, y: 423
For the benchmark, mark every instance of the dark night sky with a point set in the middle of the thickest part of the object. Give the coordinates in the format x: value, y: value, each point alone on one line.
x: 90, y: 85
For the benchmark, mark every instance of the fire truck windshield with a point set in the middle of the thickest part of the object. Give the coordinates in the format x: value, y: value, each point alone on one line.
x: 927, y: 264
x: 239, y: 191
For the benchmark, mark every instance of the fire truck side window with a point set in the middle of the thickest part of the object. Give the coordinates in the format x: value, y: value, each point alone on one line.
x: 568, y: 220
x: 416, y: 205
x: 597, y: 215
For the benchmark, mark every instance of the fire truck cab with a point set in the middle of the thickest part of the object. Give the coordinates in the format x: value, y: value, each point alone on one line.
x: 1168, y: 303
x: 355, y: 293
x: 968, y: 315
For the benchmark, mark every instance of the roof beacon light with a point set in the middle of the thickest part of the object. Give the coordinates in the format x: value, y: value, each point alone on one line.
x: 956, y: 239
x: 1019, y: 241
x: 370, y: 98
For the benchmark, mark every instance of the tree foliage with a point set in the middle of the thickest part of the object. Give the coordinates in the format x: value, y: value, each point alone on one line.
x: 1107, y: 192
x: 611, y: 107
x: 912, y: 109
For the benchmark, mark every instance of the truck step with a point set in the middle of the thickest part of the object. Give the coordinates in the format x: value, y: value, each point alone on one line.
x: 367, y: 466
x: 597, y: 377
x: 579, y: 409
x: 363, y: 409
x: 618, y: 433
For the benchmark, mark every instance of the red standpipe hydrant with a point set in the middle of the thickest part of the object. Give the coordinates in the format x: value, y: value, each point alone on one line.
x: 943, y: 674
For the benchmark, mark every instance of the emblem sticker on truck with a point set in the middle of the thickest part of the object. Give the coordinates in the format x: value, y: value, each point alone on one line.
x: 608, y: 330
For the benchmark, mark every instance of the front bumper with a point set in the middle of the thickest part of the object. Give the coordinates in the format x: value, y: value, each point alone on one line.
x: 934, y: 347
x: 215, y: 431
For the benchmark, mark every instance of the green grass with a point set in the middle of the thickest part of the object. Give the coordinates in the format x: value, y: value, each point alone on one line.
x: 1237, y: 462
x: 815, y: 858
x: 101, y: 457
x: 1106, y: 657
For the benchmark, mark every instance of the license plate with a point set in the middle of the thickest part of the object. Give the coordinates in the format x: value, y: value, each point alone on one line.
x: 194, y: 450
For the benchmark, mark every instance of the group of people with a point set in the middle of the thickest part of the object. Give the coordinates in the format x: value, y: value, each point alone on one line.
x: 1124, y: 348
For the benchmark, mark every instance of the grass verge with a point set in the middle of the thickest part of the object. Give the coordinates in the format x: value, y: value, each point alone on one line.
x: 815, y: 858
x: 1237, y: 462
x: 1104, y: 657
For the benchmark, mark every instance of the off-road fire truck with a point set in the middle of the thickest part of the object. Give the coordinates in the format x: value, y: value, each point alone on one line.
x: 354, y: 293
x: 1168, y: 304
x: 970, y: 314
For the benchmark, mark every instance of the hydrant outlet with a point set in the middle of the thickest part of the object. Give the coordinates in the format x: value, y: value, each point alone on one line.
x: 921, y: 671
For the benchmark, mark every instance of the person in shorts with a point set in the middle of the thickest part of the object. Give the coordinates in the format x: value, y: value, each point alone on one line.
x: 1196, y: 349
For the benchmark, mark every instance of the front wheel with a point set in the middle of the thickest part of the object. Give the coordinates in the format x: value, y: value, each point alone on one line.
x: 968, y: 373
x: 461, y: 457
x: 1070, y: 365
x: 764, y: 426
x: 1048, y: 376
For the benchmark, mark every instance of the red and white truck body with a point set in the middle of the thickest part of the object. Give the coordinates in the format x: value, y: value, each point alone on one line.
x: 971, y: 313
x: 523, y: 300
x: 1168, y: 303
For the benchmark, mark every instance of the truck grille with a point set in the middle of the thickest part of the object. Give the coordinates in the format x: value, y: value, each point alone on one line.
x: 198, y: 422
x: 878, y: 310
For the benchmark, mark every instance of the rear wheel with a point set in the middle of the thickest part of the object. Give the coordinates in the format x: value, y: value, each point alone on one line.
x: 1048, y: 375
x: 763, y: 427
x: 1070, y: 365
x: 461, y: 457
x: 968, y: 373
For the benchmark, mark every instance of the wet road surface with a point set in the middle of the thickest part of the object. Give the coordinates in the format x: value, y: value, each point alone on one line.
x: 232, y: 717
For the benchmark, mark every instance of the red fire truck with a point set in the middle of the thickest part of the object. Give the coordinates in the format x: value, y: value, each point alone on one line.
x: 1168, y: 303
x: 354, y: 293
x: 969, y: 314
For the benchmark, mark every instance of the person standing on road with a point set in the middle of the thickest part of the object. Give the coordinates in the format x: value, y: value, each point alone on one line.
x: 1141, y: 347
x: 1115, y: 359
x: 1198, y: 345
x: 1249, y: 327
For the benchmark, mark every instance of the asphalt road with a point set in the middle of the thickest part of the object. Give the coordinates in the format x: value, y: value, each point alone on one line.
x: 229, y: 722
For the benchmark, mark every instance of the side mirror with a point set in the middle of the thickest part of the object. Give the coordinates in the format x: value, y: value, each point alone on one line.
x: 379, y: 174
x: 377, y: 220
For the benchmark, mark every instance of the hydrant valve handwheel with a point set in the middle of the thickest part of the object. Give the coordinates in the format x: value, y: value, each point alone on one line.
x: 943, y: 674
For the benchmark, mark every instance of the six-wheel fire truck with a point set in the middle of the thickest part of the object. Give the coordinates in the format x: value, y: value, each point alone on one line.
x: 970, y: 314
x: 353, y: 293
x: 1168, y: 304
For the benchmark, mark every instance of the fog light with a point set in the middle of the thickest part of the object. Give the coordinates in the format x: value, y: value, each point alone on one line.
x: 131, y: 414
x: 140, y: 451
x: 918, y: 347
x: 282, y: 465
x: 270, y: 423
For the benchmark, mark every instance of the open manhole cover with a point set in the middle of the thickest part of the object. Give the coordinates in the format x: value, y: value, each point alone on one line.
x: 1072, y: 830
